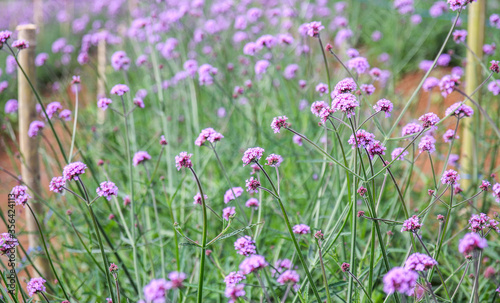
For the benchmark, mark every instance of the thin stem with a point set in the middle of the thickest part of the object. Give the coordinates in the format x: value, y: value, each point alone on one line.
x: 98, y: 234
x: 263, y: 286
x: 323, y: 272
x: 73, y: 136
x: 47, y: 252
x: 203, y: 240
x: 132, y: 200
x: 292, y: 235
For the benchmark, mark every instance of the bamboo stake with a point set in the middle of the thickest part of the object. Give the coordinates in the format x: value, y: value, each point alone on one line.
x: 475, y: 39
x: 38, y: 13
x: 101, y: 79
x: 30, y: 167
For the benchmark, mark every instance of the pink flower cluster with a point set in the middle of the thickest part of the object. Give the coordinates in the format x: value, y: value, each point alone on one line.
x: 301, y: 229
x: 480, y: 222
x: 252, y: 185
x: 278, y: 123
x: 400, y: 280
x: 252, y: 263
x: 471, y: 242
x: 21, y: 195
x: 107, y: 189
x: 346, y: 103
x: 412, y: 224
x: 459, y: 110
x: 252, y: 155
x: 419, y: 262
x: 229, y: 196
x: 245, y: 246
x: 210, y: 135
x: 450, y: 177
x: 183, y: 160
x: 140, y: 157
x: 197, y: 199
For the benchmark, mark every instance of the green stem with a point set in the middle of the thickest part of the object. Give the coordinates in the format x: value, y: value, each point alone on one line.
x: 203, y: 240
x: 73, y: 135
x: 47, y: 252
x: 290, y: 231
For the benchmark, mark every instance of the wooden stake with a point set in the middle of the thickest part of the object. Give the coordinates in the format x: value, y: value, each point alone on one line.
x: 101, y: 79
x: 475, y: 39
x: 38, y: 13
x: 30, y: 167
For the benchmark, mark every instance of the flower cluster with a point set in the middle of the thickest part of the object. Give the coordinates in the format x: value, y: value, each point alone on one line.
x: 412, y: 224
x: 346, y: 103
x: 7, y: 243
x: 479, y: 223
x: 36, y: 285
x: 21, y: 195
x: 471, y: 242
x: 274, y: 160
x: 229, y: 196
x: 363, y: 139
x: 197, y: 199
x: 450, y: 177
x: 228, y: 212
x: 140, y: 157
x: 459, y: 110
x: 252, y: 185
x: 384, y: 105
x: 301, y: 229
x: 183, y: 160
x: 252, y: 263
x: 107, y: 189
x: 245, y: 246
x: 400, y: 280
x: 73, y: 170
x: 419, y: 262
x: 252, y: 155
x: 278, y: 123
x: 210, y: 135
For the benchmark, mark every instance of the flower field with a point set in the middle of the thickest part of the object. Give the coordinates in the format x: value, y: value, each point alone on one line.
x: 249, y: 151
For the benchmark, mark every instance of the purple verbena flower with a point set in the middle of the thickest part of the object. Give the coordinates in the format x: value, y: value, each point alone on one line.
x: 56, y: 184
x: 274, y: 160
x: 252, y: 155
x: 252, y: 202
x: 459, y: 110
x: 429, y: 120
x: 384, y: 105
x: 35, y: 285
x: 363, y: 139
x: 228, y: 196
x: 278, y: 123
x: 234, y: 278
x: 198, y: 200
x: 252, y: 263
x: 471, y: 242
x: 252, y: 185
x: 183, y: 160
x: 119, y: 89
x: 360, y: 64
x: 427, y: 144
x: 208, y: 134
x: 245, y: 246
x: 419, y: 262
x: 73, y: 170
x: 301, y: 229
x: 228, y: 212
x: 400, y: 280
x: 35, y: 127
x: 140, y: 157
x: 412, y: 224
x: 21, y: 195
x: 346, y: 103
x: 396, y: 153
x: 450, y: 177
